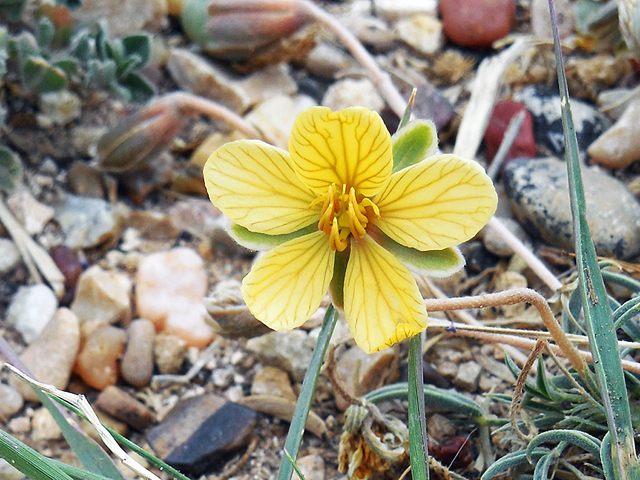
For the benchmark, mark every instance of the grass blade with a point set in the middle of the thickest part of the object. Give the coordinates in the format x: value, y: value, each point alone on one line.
x: 418, y: 453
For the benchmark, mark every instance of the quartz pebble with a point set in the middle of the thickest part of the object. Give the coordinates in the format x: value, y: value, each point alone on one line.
x: 467, y: 376
x: 392, y: 10
x: 170, y: 287
x: 477, y: 23
x: 10, y: 401
x: 50, y: 357
x: 137, y: 362
x: 541, y: 19
x: 619, y: 146
x: 31, y: 309
x: 9, y: 256
x: 122, y: 406
x: 58, y: 108
x: 169, y: 352
x: 326, y: 60
x: 421, y: 32
x: 87, y: 222
x: 289, y: 351
x: 98, y: 360
x: 272, y: 381
x: 43, y: 426
x: 311, y: 467
x: 524, y: 145
x: 103, y: 295
x: 348, y: 92
x: 539, y: 197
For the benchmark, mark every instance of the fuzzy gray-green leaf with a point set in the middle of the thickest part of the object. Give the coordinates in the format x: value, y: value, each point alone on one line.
x: 413, y: 142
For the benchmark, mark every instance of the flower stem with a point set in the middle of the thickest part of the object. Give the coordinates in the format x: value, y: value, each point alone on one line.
x: 418, y: 452
x: 299, y: 420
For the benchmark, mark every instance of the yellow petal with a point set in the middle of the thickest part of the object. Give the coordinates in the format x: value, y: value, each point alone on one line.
x: 254, y: 185
x: 351, y: 147
x: 286, y: 286
x: 381, y: 299
x: 437, y: 203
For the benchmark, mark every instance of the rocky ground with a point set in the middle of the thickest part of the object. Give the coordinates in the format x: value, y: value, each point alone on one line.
x: 137, y: 245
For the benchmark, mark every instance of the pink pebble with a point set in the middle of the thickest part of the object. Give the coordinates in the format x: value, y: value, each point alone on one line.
x: 477, y: 23
x: 524, y: 145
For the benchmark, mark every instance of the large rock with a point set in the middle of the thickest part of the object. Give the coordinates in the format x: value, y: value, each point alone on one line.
x: 538, y: 191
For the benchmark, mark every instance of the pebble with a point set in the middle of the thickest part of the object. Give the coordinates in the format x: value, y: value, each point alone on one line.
x: 170, y: 287
x: 467, y: 376
x: 311, y: 467
x: 431, y: 103
x: 58, y: 108
x: 477, y: 23
x: 169, y: 352
x: 9, y: 256
x: 155, y: 226
x: 505, y: 281
x: 30, y: 310
x: 68, y: 261
x: 541, y: 19
x: 9, y: 472
x: 106, y: 420
x: 392, y: 10
x: 122, y: 406
x: 124, y: 17
x: 84, y: 180
x: 103, y: 295
x: 51, y: 356
x: 268, y: 82
x: 524, y: 145
x: 448, y: 369
x: 546, y: 112
x: 222, y: 377
x: 619, y: 146
x: 538, y: 193
x: 421, y: 32
x: 200, y: 432
x: 362, y: 373
x: 97, y: 363
x: 440, y: 427
x: 43, y: 426
x: 494, y: 242
x: 10, y: 401
x: 273, y: 381
x: 32, y: 214
x: 276, y: 115
x: 348, y: 92
x: 136, y: 366
x: 289, y: 351
x: 88, y: 222
x: 19, y: 425
x: 326, y: 60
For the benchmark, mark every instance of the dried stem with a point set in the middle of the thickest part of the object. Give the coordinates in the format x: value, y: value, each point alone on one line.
x: 519, y: 389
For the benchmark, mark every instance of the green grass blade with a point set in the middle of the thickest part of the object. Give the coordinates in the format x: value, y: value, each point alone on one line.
x: 300, y: 414
x: 511, y: 460
x: 418, y: 453
x: 598, y: 315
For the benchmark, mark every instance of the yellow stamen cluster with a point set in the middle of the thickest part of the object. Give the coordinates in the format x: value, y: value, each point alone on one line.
x: 343, y: 214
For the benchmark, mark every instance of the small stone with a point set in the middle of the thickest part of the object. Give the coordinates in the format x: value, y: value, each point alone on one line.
x: 97, y: 362
x: 51, y: 356
x: 349, y: 92
x: 392, y: 10
x: 124, y: 17
x: 276, y: 115
x: 541, y: 19
x: 494, y: 242
x: 58, y: 108
x: 539, y: 197
x: 106, y: 420
x: 619, y: 146
x: 431, y: 103
x: 19, y: 425
x: 169, y: 353
x: 311, y: 467
x: 440, y: 427
x: 326, y: 60
x: 200, y: 432
x: 268, y: 82
x: 68, y: 262
x: 467, y: 376
x: 477, y: 23
x: 85, y: 138
x: 545, y: 109
x: 289, y: 351
x: 505, y: 281
x: 103, y: 295
x: 87, y: 222
x: 43, y: 426
x: 136, y: 366
x: 524, y: 145
x: 9, y: 472
x: 84, y: 180
x: 272, y: 381
x: 156, y: 226
x: 31, y: 213
x: 170, y: 287
x: 124, y: 407
x: 222, y: 377
x: 31, y: 309
x: 9, y: 256
x: 448, y: 369
x: 10, y: 401
x: 421, y: 32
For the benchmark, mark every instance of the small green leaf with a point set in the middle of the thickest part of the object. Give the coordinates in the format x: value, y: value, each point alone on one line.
x: 10, y: 169
x: 80, y: 45
x: 541, y: 472
x: 70, y: 4
x: 46, y: 30
x: 34, y: 69
x: 583, y: 440
x: 68, y: 66
x: 12, y: 9
x: 511, y: 460
x: 262, y: 241
x: 432, y: 263
x: 413, y: 143
x: 139, y: 45
x: 54, y: 79
x: 140, y: 90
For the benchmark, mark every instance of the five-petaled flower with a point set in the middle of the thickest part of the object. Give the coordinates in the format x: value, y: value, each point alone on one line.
x: 339, y: 215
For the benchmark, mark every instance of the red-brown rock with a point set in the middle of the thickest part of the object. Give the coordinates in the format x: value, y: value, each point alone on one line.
x: 524, y: 145
x: 97, y: 363
x: 477, y: 23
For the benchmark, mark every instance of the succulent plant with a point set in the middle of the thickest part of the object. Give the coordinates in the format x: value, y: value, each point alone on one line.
x: 10, y: 169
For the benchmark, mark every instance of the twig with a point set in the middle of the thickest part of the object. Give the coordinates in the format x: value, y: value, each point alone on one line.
x: 519, y: 390
x: 240, y: 463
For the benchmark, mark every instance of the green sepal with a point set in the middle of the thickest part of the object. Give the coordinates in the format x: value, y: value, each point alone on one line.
x: 432, y: 263
x: 413, y: 143
x: 336, y: 287
x: 263, y: 241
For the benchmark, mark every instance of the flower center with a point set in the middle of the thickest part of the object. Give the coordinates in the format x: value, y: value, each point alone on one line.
x: 344, y: 214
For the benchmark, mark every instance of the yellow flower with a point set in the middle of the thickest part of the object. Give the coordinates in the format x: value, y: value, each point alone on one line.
x: 345, y: 209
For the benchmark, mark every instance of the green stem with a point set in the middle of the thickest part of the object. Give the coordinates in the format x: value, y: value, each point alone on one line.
x: 299, y: 420
x: 418, y: 451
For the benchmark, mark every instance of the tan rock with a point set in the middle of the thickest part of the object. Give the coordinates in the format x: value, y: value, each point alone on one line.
x: 97, y: 363
x: 124, y: 407
x: 169, y: 352
x: 619, y: 146
x: 272, y: 381
x: 137, y: 363
x: 43, y: 426
x: 103, y: 295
